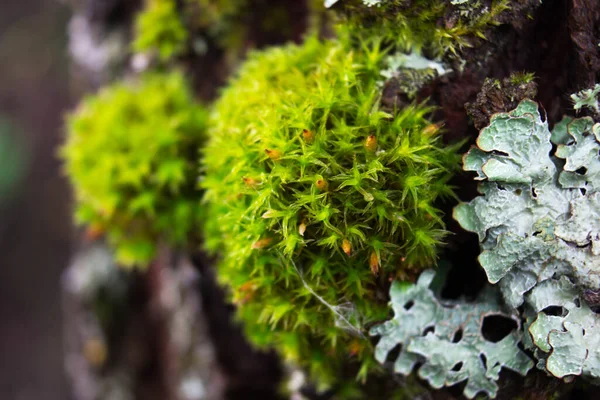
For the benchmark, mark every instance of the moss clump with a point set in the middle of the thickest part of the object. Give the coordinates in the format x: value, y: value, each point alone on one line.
x: 130, y: 155
x: 168, y: 28
x: 437, y: 28
x: 159, y: 28
x: 316, y: 197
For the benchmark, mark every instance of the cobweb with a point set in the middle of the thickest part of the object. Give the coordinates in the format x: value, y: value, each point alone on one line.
x: 346, y: 315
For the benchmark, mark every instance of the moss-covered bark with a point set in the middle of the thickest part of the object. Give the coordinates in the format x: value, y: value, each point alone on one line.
x: 438, y: 53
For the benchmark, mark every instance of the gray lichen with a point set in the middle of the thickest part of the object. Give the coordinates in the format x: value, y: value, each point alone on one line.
x: 587, y: 98
x: 538, y: 222
x: 566, y: 342
x: 412, y: 71
x: 580, y: 151
x: 532, y: 224
x: 446, y: 337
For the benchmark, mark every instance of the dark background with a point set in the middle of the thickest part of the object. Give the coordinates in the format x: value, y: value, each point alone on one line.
x: 35, y: 223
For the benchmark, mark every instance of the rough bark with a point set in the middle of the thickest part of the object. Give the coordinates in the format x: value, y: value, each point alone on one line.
x: 134, y: 335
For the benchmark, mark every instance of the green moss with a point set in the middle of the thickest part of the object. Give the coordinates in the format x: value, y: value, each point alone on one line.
x: 130, y: 155
x: 160, y: 29
x: 163, y: 29
x: 437, y: 28
x: 217, y: 12
x: 587, y: 98
x: 316, y: 196
x: 522, y: 78
x: 168, y: 28
x: 13, y: 157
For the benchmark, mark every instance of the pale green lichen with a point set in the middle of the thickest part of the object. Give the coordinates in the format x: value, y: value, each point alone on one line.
x: 529, y: 224
x: 538, y: 223
x: 582, y: 167
x: 412, y: 61
x: 412, y: 71
x: 568, y: 343
x: 446, y: 337
x: 372, y: 2
x: 587, y: 98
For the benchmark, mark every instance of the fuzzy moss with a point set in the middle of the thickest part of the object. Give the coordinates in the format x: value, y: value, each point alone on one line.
x: 437, y: 28
x: 315, y: 196
x: 163, y: 29
x: 169, y: 29
x: 160, y: 29
x: 130, y: 154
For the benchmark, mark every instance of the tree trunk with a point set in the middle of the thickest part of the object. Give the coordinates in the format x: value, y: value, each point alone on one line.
x: 168, y: 333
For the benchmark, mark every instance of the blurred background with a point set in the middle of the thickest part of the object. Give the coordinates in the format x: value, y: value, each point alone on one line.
x: 35, y: 225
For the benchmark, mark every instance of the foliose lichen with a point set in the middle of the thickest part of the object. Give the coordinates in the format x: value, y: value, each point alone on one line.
x: 446, y: 338
x: 538, y: 222
x: 130, y: 154
x: 411, y: 72
x: 563, y: 330
x: 587, y: 98
x: 531, y: 224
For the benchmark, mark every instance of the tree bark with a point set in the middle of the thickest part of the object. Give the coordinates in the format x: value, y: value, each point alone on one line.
x: 171, y: 330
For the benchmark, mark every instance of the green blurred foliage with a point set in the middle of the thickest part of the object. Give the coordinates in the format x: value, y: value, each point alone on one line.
x: 130, y: 155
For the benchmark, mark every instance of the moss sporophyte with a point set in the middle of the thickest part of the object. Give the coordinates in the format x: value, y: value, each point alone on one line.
x: 315, y: 198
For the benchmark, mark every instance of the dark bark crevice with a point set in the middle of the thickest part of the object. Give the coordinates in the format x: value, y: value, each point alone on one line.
x: 250, y: 374
x: 584, y: 28
x: 539, y: 45
x: 210, y: 71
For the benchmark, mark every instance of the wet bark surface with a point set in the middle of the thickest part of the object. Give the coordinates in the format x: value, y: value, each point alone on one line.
x: 249, y: 373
